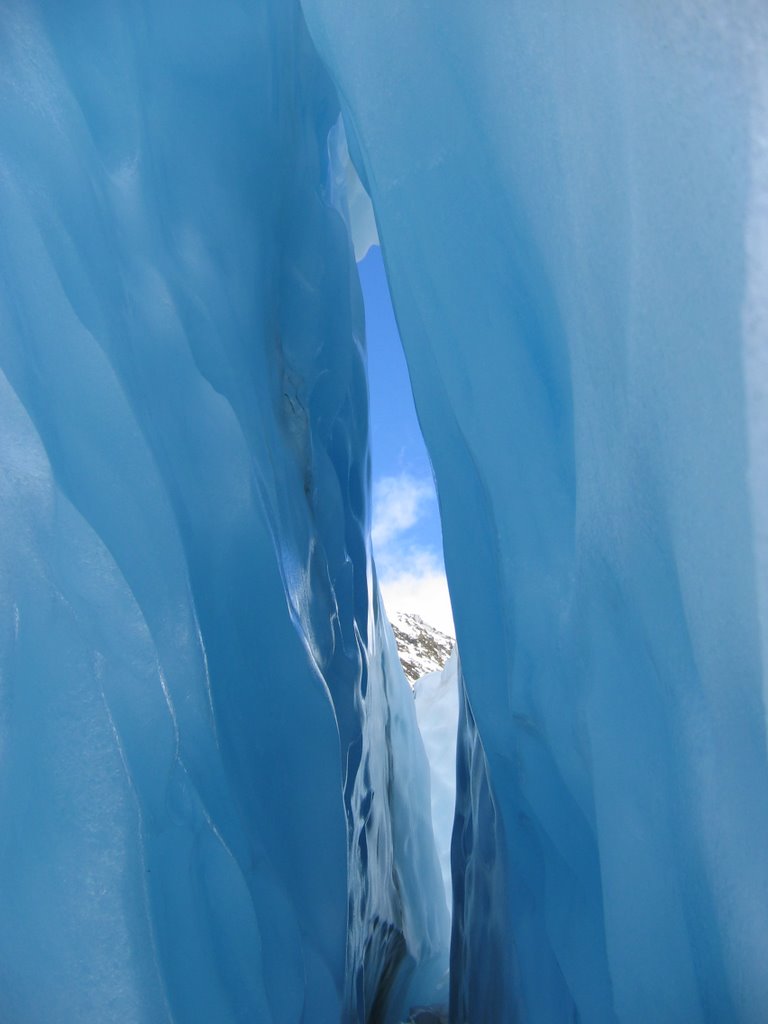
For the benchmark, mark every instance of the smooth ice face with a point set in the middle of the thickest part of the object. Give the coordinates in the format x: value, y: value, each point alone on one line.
x: 348, y: 195
x: 196, y: 823
x: 436, y: 698
x: 571, y: 204
x: 164, y: 696
x: 395, y: 762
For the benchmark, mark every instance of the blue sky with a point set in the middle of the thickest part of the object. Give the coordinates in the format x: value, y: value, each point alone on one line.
x: 406, y: 523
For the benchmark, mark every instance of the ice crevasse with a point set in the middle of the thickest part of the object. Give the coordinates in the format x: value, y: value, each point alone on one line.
x: 214, y: 800
x: 199, y: 696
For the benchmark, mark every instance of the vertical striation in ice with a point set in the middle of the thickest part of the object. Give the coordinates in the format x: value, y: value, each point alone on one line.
x: 436, y: 697
x: 202, y: 817
x: 398, y: 913
x: 571, y: 200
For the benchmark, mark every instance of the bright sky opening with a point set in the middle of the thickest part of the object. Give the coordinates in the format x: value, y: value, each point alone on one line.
x: 407, y: 537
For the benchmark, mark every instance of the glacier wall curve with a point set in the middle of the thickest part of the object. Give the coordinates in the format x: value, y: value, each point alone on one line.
x: 571, y: 204
x: 198, y: 822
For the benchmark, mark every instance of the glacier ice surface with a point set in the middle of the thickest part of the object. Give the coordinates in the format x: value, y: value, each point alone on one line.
x: 436, y: 697
x: 213, y: 796
x: 571, y: 203
x: 202, y: 818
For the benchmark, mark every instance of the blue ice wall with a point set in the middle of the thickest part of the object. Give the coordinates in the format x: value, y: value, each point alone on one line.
x: 197, y: 825
x: 571, y: 199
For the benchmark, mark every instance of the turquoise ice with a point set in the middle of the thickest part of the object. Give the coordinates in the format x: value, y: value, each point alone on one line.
x: 214, y: 798
x: 571, y: 200
x: 199, y: 818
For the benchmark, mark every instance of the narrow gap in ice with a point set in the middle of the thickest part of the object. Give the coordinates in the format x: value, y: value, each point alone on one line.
x: 406, y: 530
x: 407, y: 541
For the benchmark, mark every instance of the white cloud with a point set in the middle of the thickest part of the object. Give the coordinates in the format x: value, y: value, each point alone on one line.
x: 399, y: 502
x: 417, y: 583
x: 411, y: 576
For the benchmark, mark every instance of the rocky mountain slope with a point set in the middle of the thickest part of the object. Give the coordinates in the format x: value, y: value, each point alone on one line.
x: 422, y: 648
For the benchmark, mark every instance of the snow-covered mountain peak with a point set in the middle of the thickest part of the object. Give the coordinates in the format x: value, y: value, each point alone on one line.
x: 422, y: 648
